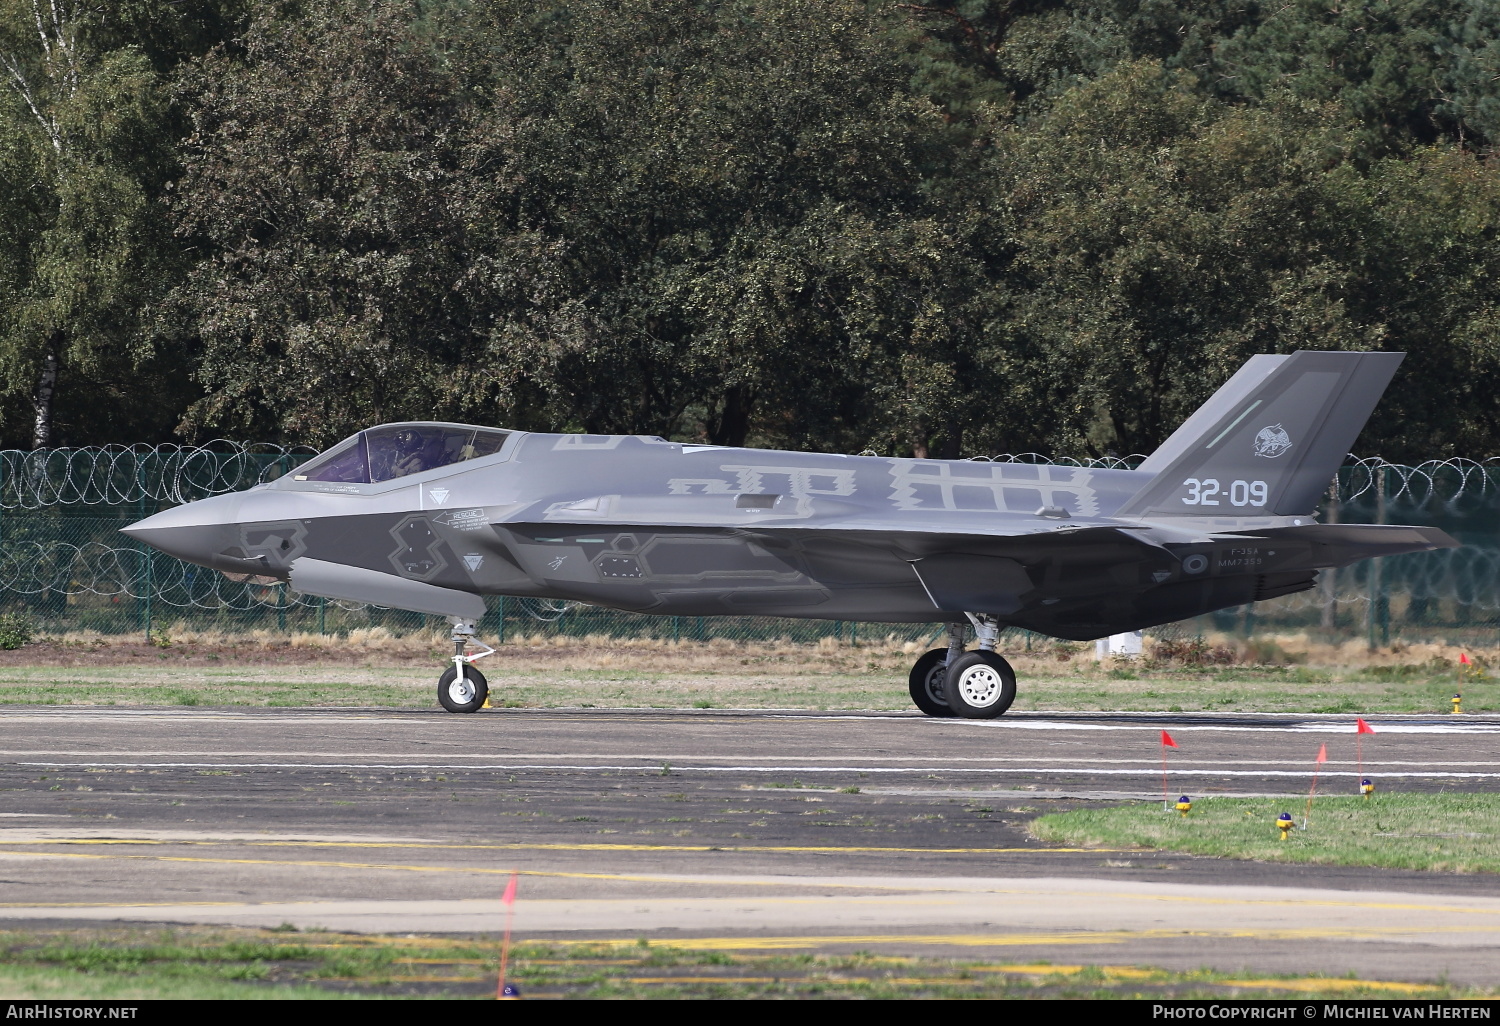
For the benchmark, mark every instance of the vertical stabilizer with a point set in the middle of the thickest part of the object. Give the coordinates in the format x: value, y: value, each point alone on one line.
x: 1269, y: 440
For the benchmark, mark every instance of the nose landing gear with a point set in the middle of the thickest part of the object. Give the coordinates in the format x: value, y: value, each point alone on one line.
x: 977, y: 685
x: 461, y: 688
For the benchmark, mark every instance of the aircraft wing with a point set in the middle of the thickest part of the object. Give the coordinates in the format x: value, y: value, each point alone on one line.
x: 1004, y: 573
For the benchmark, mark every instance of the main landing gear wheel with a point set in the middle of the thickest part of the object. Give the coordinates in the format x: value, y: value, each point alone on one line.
x: 979, y: 686
x: 927, y: 683
x: 462, y: 696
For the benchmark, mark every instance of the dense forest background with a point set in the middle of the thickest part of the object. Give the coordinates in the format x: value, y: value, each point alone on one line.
x: 938, y: 228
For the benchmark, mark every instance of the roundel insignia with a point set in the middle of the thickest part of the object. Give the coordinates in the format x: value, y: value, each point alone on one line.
x: 1272, y: 441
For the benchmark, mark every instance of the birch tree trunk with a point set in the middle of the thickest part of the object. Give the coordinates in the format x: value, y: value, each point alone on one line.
x: 41, y: 434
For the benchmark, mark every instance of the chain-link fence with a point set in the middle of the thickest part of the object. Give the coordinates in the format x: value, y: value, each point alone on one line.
x: 65, y: 565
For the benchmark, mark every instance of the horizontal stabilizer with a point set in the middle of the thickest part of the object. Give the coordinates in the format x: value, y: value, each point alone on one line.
x: 1269, y: 441
x: 356, y: 584
x: 1342, y: 544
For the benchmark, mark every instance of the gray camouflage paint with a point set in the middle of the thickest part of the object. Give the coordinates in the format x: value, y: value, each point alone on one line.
x: 643, y: 524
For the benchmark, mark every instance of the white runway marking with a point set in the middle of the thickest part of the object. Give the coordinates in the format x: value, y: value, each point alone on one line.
x: 675, y: 769
x: 654, y: 761
x: 1434, y: 723
x: 1289, y: 728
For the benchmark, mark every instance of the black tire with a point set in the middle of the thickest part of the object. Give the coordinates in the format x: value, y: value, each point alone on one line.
x: 451, y: 697
x: 979, y: 686
x: 926, y: 683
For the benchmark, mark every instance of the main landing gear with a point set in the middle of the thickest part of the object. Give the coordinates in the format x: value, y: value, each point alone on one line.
x: 977, y: 685
x: 461, y: 688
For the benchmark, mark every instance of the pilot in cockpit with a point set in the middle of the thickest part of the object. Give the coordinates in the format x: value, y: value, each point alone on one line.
x: 412, y: 456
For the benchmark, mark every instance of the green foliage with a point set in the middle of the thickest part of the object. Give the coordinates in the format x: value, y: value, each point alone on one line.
x: 931, y: 229
x: 16, y: 629
x: 86, y: 153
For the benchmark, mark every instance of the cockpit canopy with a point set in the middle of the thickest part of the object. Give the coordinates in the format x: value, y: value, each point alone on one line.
x: 396, y: 450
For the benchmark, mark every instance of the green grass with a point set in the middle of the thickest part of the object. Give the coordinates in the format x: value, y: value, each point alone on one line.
x: 1044, y: 687
x: 31, y: 983
x: 126, y: 963
x: 165, y: 964
x: 1446, y: 832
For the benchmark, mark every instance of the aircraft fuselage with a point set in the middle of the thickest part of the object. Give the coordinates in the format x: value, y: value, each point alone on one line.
x: 642, y: 524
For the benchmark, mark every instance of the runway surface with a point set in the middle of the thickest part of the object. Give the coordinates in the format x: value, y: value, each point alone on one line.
x: 731, y: 830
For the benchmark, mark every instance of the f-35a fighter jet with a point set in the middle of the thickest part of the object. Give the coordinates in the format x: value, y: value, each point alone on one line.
x: 430, y: 517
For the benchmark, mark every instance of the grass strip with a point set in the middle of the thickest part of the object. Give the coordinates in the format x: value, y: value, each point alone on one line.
x: 1457, y: 833
x: 125, y: 962
x: 880, y: 685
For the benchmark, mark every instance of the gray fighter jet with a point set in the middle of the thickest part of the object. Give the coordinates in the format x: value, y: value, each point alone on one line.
x: 430, y: 517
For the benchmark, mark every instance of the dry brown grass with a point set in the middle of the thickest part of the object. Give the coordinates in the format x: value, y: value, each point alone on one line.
x: 379, y: 647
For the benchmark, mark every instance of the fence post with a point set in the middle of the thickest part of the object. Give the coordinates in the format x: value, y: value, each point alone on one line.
x: 676, y: 629
x: 150, y: 587
x: 148, y: 552
x: 1329, y: 579
x: 281, y: 607
x: 322, y: 616
x: 500, y: 620
x: 1377, y: 621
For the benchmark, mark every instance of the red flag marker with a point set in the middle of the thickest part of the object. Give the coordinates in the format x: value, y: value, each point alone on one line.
x: 1322, y: 758
x: 508, y: 899
x: 1463, y: 657
x: 1166, y: 742
x: 1361, y: 728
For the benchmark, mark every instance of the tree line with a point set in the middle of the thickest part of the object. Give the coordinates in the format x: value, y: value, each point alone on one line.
x: 932, y: 229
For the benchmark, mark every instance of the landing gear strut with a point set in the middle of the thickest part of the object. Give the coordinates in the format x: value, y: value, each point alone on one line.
x: 976, y: 685
x: 461, y: 688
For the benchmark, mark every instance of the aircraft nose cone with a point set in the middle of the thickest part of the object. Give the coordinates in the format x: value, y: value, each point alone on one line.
x: 198, y: 532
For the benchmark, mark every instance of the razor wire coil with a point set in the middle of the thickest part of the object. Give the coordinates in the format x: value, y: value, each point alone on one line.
x: 63, y: 507
x: 127, y: 475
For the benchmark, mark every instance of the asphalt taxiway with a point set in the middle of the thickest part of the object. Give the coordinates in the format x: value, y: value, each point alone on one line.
x: 726, y: 829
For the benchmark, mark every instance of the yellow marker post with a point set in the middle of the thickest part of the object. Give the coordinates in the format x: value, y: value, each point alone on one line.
x: 1284, y: 824
x: 1184, y: 805
x: 1458, y: 700
x: 1367, y: 788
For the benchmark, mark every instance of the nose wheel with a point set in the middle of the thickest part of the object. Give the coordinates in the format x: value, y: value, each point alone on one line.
x: 464, y: 694
x: 462, y: 688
